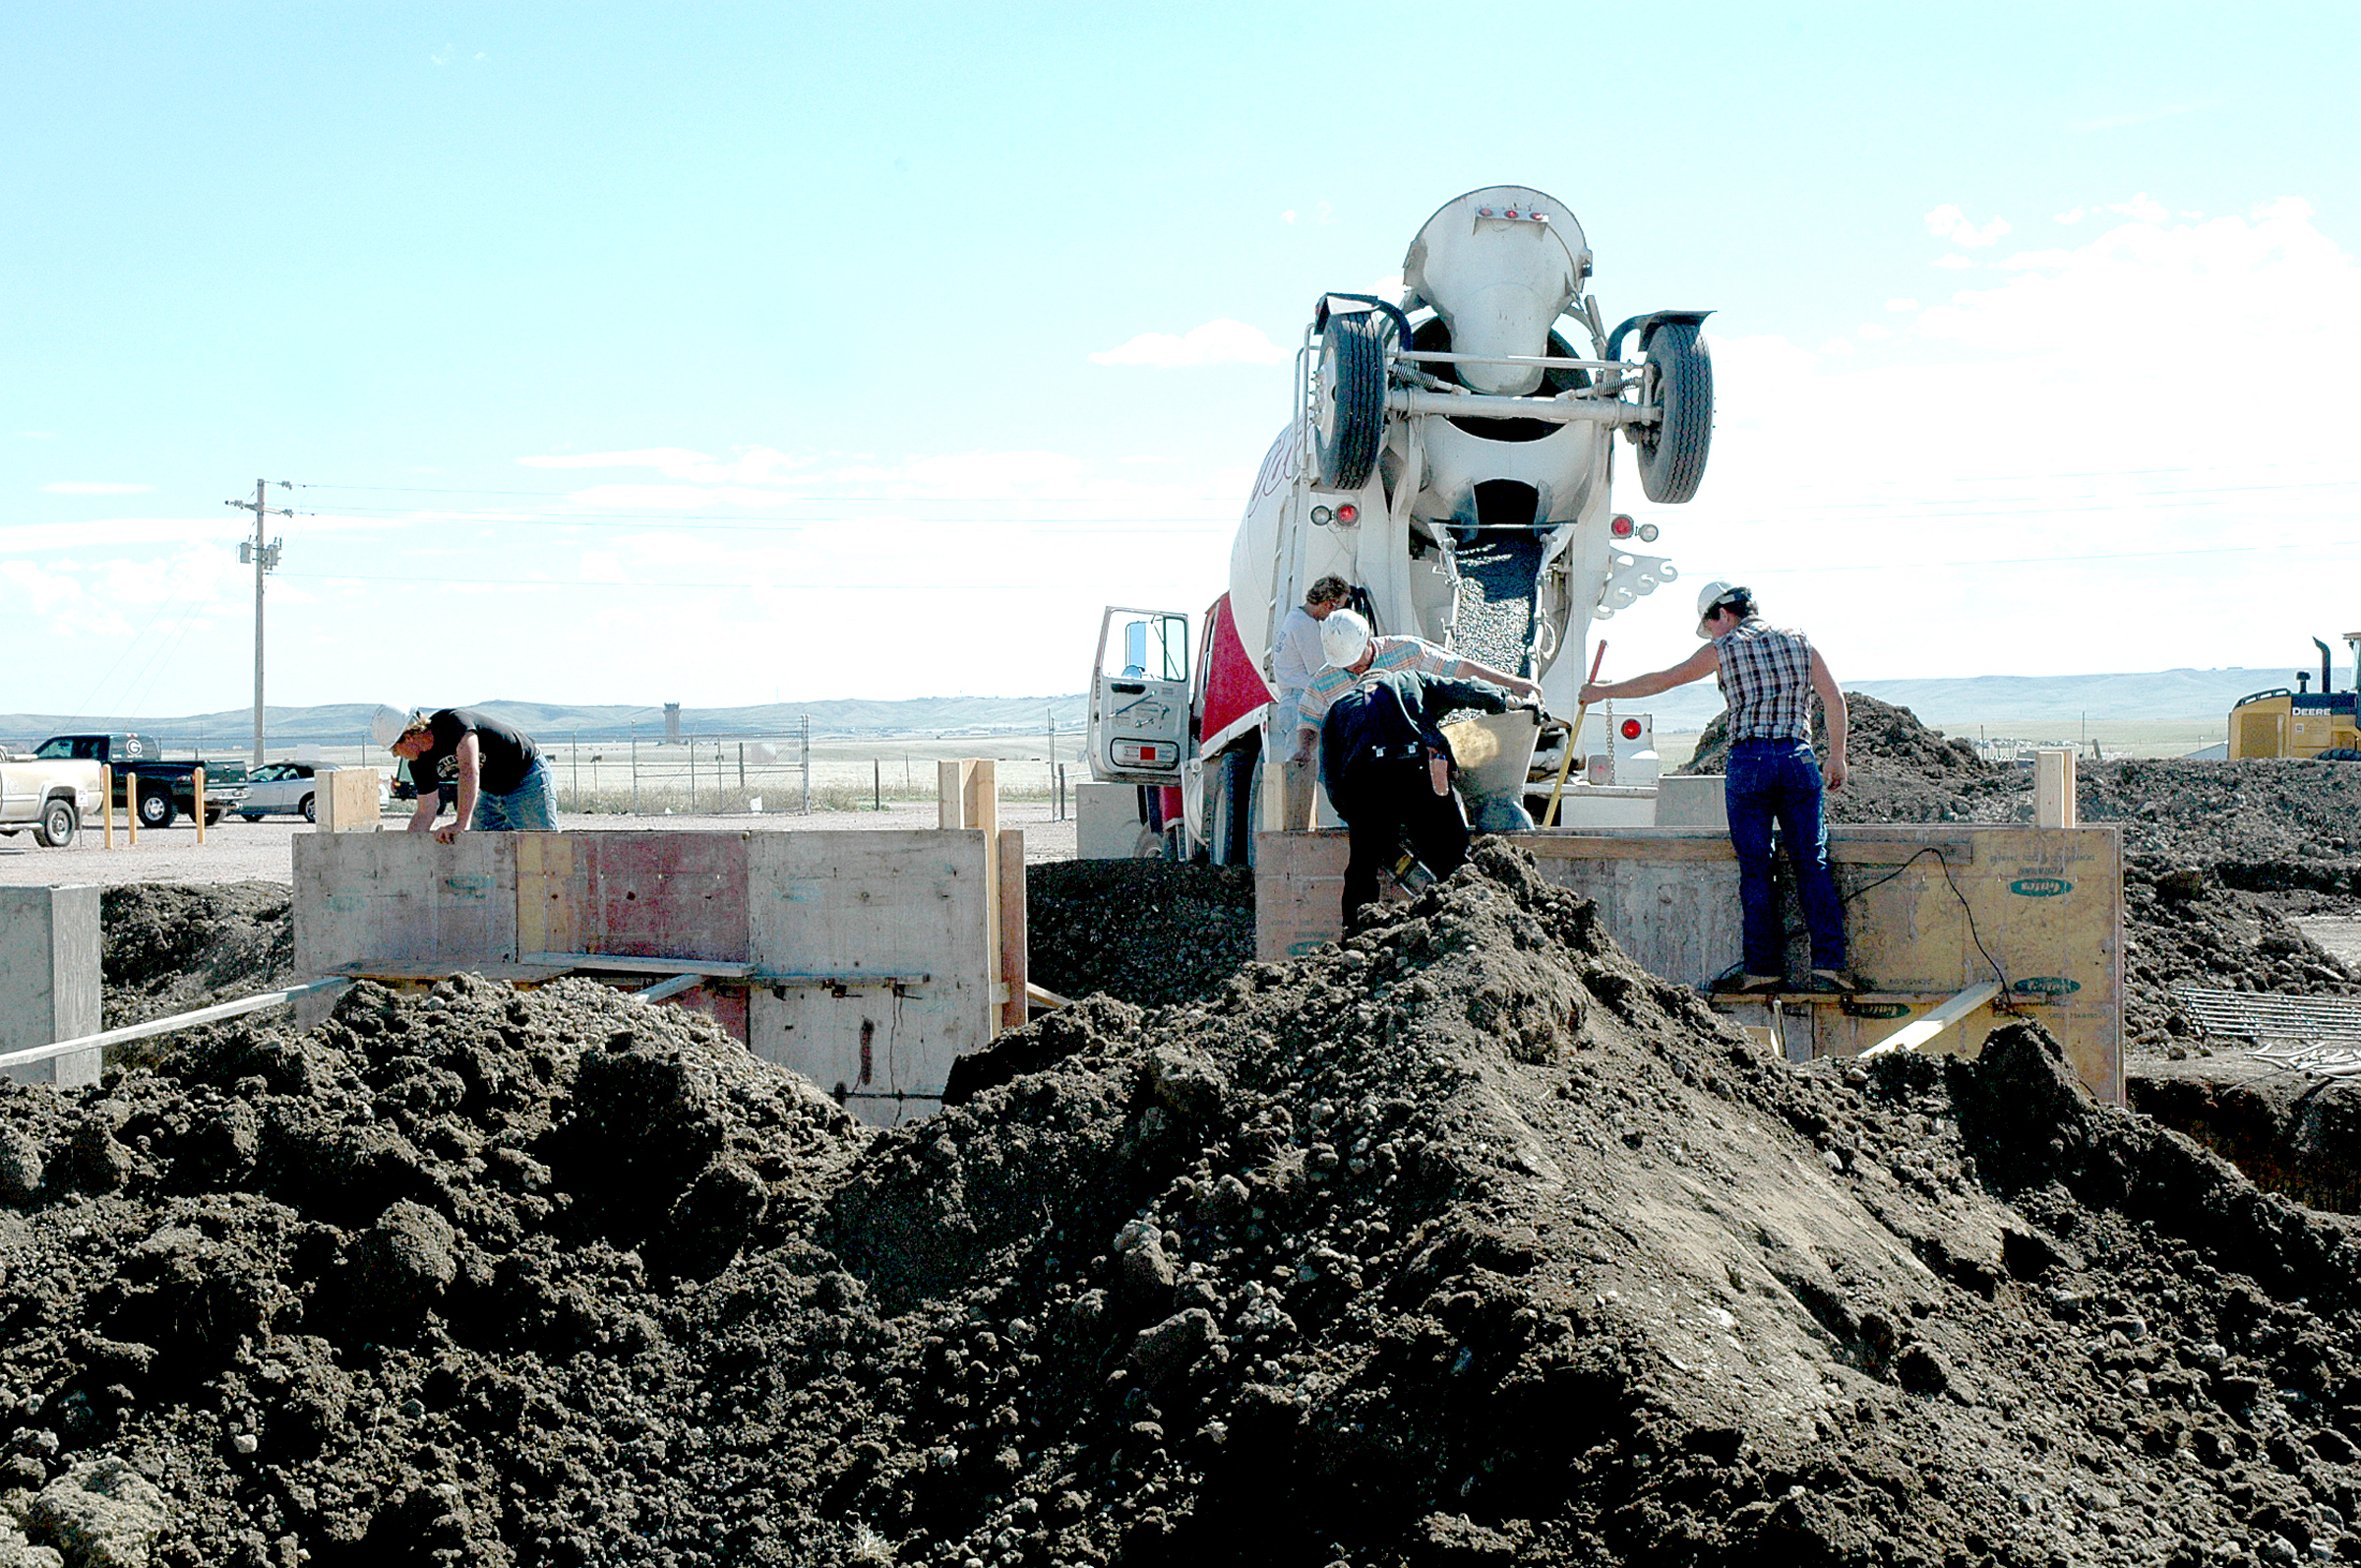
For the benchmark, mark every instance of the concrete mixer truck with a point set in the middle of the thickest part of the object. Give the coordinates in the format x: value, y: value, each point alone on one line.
x: 1450, y: 456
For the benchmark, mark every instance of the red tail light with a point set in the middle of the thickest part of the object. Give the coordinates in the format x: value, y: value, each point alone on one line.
x: 1347, y: 512
x: 1631, y: 729
x: 1621, y: 528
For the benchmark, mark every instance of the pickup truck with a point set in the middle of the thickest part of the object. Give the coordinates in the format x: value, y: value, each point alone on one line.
x: 166, y: 790
x: 49, y: 796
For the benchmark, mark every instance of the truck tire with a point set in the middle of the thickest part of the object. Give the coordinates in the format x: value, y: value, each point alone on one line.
x: 1230, y: 822
x: 1349, y: 416
x: 157, y: 809
x: 1673, y: 451
x: 311, y: 808
x: 58, y: 821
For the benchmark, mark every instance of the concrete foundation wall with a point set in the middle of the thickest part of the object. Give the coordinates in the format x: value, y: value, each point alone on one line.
x: 49, y: 980
x: 1929, y: 910
x: 874, y: 956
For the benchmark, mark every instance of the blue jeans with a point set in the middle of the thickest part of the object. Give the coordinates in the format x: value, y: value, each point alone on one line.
x: 530, y: 808
x: 1780, y: 779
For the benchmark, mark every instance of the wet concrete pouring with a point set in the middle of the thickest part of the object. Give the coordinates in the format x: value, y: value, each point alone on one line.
x: 1465, y: 1242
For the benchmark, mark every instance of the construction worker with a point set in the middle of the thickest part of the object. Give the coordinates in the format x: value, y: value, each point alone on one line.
x: 1296, y: 659
x: 503, y: 784
x: 1768, y: 677
x: 1387, y: 765
x: 1353, y: 653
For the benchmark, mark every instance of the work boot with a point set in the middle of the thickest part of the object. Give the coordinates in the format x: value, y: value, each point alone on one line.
x: 1833, y: 982
x: 1747, y: 986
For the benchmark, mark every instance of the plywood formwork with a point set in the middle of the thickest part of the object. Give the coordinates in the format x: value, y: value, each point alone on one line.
x: 1930, y: 910
x: 404, y: 898
x: 344, y: 800
x: 874, y: 972
x: 867, y: 962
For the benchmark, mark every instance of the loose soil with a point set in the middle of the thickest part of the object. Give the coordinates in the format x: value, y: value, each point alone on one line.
x: 1465, y: 1242
x: 1147, y: 932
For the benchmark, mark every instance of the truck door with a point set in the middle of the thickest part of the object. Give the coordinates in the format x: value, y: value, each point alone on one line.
x: 1139, y: 697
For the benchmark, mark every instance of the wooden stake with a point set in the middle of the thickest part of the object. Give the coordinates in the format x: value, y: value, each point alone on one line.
x: 196, y: 779
x: 107, y: 806
x: 1566, y: 762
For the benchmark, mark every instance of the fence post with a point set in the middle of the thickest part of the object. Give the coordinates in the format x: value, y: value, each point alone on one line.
x: 692, y: 772
x: 807, y: 764
x: 574, y: 743
x: 876, y: 782
x: 635, y: 770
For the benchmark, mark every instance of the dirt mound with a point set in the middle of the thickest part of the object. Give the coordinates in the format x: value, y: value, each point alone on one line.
x: 1900, y: 772
x: 1466, y: 1243
x: 1147, y: 932
x: 168, y: 947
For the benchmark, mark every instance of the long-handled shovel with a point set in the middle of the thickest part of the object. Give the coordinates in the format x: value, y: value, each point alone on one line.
x: 1566, y: 762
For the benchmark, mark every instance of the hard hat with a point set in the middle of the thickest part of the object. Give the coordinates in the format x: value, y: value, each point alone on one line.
x: 1712, y: 596
x: 1344, y: 637
x: 387, y: 725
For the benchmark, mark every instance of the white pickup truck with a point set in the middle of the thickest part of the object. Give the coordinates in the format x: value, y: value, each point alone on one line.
x: 50, y: 796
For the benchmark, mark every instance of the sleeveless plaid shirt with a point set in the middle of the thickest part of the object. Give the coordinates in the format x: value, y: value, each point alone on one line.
x: 1766, y: 680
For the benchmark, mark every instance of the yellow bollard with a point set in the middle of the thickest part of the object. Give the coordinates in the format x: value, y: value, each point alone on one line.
x: 198, y: 778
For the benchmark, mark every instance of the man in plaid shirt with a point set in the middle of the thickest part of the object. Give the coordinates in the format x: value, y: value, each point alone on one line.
x: 1769, y: 678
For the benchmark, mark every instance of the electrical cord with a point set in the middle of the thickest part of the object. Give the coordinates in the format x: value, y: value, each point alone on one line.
x: 1975, y: 934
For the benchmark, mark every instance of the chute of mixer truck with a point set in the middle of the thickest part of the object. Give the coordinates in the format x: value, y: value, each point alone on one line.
x: 1449, y: 454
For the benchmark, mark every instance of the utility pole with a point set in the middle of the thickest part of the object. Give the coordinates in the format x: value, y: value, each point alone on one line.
x: 265, y: 557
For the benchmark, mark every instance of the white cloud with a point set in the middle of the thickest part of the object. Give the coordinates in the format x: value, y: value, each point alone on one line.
x: 97, y: 487
x: 1221, y: 341
x: 2052, y: 443
x: 1954, y: 261
x: 1949, y: 222
x: 1874, y: 331
x: 1902, y: 306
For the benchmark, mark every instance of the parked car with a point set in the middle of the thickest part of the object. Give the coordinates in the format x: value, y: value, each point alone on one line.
x: 167, y: 790
x: 287, y: 787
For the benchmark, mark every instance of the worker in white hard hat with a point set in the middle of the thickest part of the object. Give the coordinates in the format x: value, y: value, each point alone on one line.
x: 1353, y: 653
x: 1296, y: 658
x: 1768, y: 677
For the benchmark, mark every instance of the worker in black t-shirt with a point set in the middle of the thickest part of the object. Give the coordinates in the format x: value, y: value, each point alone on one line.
x: 503, y: 784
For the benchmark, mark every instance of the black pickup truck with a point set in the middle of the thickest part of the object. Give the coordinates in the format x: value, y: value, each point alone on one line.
x: 167, y: 790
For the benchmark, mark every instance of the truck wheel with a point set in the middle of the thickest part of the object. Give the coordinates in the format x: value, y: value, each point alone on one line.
x: 250, y: 817
x: 1671, y: 455
x: 1229, y: 823
x: 158, y: 810
x: 1349, y: 417
x: 311, y: 811
x: 58, y: 821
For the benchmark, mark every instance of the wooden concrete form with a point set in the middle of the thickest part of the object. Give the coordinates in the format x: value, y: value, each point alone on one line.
x: 875, y: 912
x: 1930, y: 910
x: 49, y: 980
x: 2054, y: 803
x: 867, y: 962
x: 344, y: 800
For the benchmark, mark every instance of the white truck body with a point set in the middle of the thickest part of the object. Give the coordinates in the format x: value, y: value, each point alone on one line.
x: 1451, y: 456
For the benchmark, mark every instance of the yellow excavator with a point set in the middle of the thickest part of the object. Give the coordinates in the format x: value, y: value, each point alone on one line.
x: 2302, y: 722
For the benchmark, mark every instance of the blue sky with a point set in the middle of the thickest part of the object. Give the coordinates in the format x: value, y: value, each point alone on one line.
x: 740, y: 353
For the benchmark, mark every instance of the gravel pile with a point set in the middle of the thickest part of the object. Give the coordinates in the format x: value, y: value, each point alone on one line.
x: 1498, y: 573
x: 1466, y: 1243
